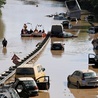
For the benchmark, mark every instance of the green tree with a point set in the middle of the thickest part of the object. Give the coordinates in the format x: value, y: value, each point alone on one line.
x: 2, y: 2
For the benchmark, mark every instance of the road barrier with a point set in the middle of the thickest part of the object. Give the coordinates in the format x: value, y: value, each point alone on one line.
x: 11, y: 71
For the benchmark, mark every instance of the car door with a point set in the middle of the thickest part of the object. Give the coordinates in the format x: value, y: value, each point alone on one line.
x: 73, y: 77
x: 40, y: 72
x: 45, y: 85
x: 21, y: 89
x: 91, y: 58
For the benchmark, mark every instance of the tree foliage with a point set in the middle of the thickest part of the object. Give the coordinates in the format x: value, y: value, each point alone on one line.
x: 91, y: 5
x: 2, y: 2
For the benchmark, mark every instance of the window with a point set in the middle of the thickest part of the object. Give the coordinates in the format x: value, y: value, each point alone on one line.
x: 29, y: 83
x: 24, y: 71
x: 39, y: 68
x: 90, y: 74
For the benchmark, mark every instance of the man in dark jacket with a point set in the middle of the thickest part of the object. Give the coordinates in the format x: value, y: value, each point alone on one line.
x: 4, y: 42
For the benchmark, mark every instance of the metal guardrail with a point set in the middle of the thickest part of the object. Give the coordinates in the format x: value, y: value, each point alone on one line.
x: 7, y: 74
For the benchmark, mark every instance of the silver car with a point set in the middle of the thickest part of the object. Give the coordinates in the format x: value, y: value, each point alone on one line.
x: 82, y: 78
x: 7, y: 91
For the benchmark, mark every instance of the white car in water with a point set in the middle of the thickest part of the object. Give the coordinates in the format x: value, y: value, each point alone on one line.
x: 82, y: 78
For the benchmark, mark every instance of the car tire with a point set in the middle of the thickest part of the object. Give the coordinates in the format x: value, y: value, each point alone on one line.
x: 78, y: 85
x: 69, y: 81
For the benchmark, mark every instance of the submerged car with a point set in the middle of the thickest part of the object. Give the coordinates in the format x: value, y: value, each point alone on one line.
x: 26, y: 87
x: 73, y: 19
x: 90, y: 18
x: 66, y: 24
x: 7, y: 91
x: 60, y: 17
x: 93, y: 30
x: 57, y: 46
x: 82, y: 78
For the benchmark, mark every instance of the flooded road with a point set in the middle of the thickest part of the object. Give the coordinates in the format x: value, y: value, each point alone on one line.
x: 58, y: 65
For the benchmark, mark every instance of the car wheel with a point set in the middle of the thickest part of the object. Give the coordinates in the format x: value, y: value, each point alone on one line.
x: 68, y: 80
x: 78, y: 85
x: 68, y: 83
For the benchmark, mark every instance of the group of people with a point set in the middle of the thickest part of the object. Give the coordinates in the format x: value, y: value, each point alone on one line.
x: 26, y: 31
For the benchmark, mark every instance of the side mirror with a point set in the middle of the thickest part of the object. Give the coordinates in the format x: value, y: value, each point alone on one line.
x: 19, y: 88
x: 43, y: 69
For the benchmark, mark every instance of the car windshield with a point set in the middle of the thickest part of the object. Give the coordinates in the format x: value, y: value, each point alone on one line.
x: 29, y: 83
x: 90, y: 74
x: 24, y: 71
x: 56, y: 45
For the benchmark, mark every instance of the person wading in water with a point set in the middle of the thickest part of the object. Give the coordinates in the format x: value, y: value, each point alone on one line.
x: 4, y: 42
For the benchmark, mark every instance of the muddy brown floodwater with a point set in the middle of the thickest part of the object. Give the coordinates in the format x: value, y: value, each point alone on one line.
x: 58, y: 64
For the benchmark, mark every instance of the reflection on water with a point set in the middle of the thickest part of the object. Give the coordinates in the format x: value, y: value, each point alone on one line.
x: 80, y: 44
x: 85, y: 92
x: 42, y: 94
x: 44, y: 2
x: 2, y: 28
x: 4, y: 50
x: 57, y: 53
x: 93, y: 36
x: 57, y: 39
x: 26, y: 38
x: 30, y: 2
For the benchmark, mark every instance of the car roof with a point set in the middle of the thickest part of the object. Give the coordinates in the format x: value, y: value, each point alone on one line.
x: 65, y: 21
x: 25, y: 78
x: 57, y: 42
x: 28, y: 65
x: 86, y: 71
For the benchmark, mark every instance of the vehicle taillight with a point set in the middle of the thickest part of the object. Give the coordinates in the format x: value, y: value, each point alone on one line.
x: 35, y: 87
x: 83, y: 77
